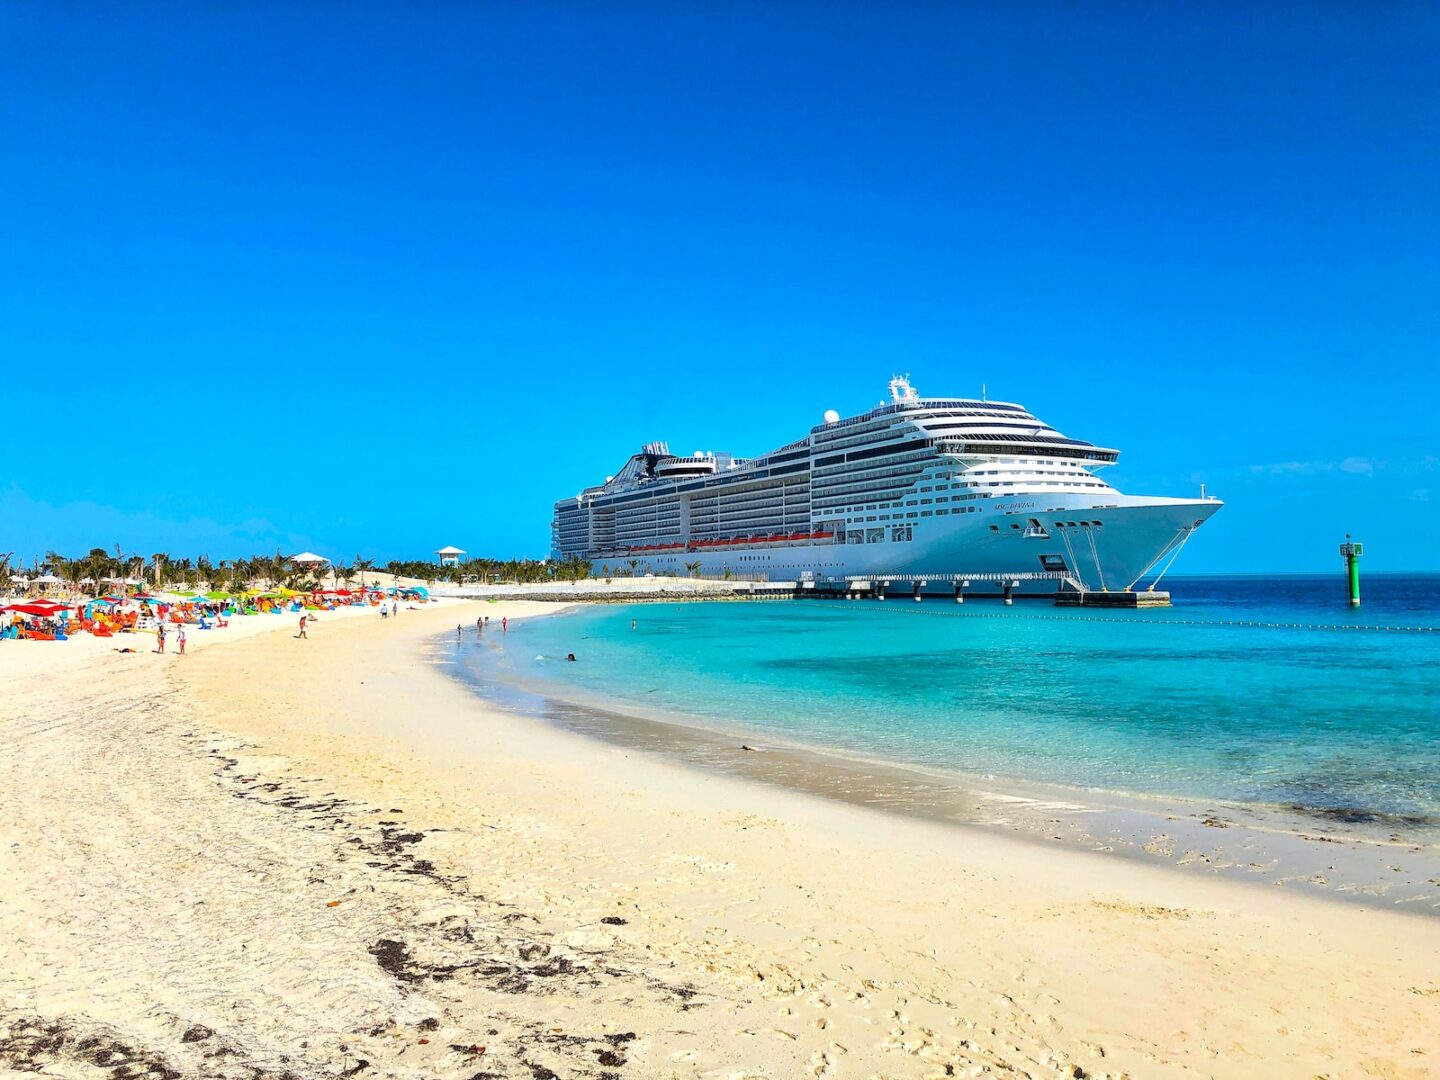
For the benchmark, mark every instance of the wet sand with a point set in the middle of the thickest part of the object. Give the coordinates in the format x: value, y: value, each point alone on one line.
x: 325, y: 858
x: 1371, y: 859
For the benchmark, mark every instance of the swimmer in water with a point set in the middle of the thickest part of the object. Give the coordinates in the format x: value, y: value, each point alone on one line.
x: 570, y: 657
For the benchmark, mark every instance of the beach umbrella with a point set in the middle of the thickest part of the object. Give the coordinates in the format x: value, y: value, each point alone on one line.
x: 40, y: 610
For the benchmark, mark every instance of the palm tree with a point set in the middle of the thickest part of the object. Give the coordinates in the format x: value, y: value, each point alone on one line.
x: 73, y: 571
x: 281, y: 569
x: 693, y: 568
x: 363, y: 566
x: 157, y: 563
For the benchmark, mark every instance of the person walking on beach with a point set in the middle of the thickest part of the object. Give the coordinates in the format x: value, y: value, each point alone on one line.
x: 302, y: 628
x: 180, y: 639
x: 394, y: 608
x: 160, y: 637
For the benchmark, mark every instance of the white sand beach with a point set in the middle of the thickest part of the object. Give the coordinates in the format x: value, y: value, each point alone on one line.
x: 275, y: 857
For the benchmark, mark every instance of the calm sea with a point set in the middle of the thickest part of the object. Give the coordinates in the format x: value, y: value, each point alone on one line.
x: 1315, y: 707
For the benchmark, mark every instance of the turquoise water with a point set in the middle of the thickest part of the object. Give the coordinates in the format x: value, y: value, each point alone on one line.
x: 1344, y: 721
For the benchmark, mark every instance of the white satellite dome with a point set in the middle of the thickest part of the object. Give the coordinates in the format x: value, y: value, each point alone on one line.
x: 831, y: 416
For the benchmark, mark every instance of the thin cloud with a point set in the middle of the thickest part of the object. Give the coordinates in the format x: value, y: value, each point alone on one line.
x: 1356, y: 466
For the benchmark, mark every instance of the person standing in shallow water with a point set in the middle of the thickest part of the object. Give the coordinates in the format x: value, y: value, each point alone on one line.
x: 504, y: 624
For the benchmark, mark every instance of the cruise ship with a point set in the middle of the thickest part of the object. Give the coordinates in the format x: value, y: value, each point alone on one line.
x: 933, y: 491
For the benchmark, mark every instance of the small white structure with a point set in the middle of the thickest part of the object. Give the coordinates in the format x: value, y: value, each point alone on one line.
x: 449, y: 556
x: 308, y: 560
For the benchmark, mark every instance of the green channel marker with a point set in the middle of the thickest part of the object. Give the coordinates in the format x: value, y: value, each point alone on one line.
x: 1352, y: 553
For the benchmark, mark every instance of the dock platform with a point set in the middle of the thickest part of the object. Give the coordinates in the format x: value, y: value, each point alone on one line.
x: 1129, y: 598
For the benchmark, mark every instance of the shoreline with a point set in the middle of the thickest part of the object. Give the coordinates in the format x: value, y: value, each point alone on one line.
x: 1389, y: 860
x: 327, y: 855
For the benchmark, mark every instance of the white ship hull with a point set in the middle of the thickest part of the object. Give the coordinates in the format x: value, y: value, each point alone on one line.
x: 1135, y: 538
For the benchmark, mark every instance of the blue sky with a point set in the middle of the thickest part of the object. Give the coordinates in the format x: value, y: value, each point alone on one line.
x: 370, y: 279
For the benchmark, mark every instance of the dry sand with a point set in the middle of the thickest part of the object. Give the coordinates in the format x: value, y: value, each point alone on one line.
x: 324, y: 858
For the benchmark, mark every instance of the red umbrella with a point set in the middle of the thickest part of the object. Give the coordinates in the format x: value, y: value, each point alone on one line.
x: 35, y: 609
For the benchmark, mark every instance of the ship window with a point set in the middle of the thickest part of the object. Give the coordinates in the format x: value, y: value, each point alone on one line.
x: 939, y: 512
x: 926, y: 513
x: 911, y: 514
x: 995, y: 528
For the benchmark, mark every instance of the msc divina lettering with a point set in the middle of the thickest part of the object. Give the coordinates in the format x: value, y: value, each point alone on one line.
x: 938, y: 488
